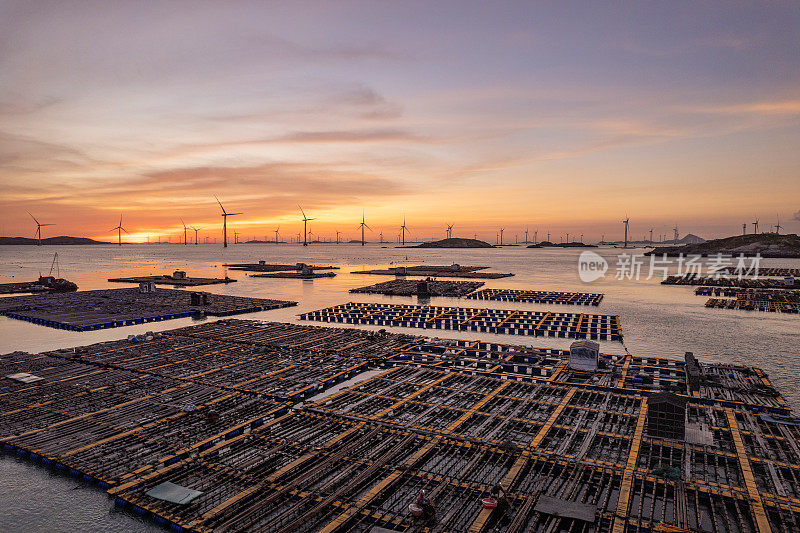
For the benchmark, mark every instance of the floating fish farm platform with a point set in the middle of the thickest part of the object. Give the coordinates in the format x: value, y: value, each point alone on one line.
x: 454, y: 271
x: 501, y: 321
x: 295, y: 275
x: 637, y: 444
x: 538, y: 297
x: 745, y: 283
x: 168, y: 279
x: 404, y: 287
x: 773, y: 300
x: 778, y: 272
x: 110, y: 308
x: 265, y: 267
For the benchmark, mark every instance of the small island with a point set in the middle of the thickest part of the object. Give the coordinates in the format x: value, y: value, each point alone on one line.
x: 453, y: 243
x: 763, y: 244
x: 62, y: 240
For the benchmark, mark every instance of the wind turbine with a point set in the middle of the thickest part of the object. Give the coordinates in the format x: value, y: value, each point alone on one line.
x: 450, y: 231
x: 235, y: 237
x: 337, y: 236
x: 778, y: 225
x: 276, y: 234
x: 651, y: 235
x: 403, y: 228
x: 225, y: 216
x: 626, y: 221
x: 184, y: 232
x: 120, y: 229
x: 755, y: 227
x: 744, y: 228
x: 195, y: 233
x: 526, y: 235
x: 362, y: 226
x: 39, y: 229
x: 501, y: 235
x: 675, y: 229
x: 305, y: 227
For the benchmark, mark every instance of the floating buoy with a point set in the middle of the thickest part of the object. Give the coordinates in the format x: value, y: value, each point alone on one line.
x: 415, y: 509
x: 489, y: 503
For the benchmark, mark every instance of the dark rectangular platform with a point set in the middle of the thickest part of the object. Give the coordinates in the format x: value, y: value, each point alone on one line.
x: 109, y: 308
x: 404, y: 287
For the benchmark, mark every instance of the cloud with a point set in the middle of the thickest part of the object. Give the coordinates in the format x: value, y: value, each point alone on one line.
x: 797, y: 216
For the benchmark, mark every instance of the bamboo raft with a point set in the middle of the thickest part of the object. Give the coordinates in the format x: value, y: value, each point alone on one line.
x: 744, y: 283
x: 500, y: 321
x: 572, y: 451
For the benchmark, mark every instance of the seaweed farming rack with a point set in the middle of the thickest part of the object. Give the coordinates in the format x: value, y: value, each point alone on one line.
x: 539, y: 297
x: 178, y: 279
x: 773, y: 300
x: 572, y: 450
x: 110, y: 308
x: 501, y: 321
x: 745, y: 283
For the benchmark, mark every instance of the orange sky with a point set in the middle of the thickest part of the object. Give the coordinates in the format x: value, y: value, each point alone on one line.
x: 545, y: 117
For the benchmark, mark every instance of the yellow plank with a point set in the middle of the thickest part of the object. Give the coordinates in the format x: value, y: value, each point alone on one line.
x: 550, y: 421
x: 762, y: 524
x: 411, y: 396
x: 627, y: 476
x: 621, y: 382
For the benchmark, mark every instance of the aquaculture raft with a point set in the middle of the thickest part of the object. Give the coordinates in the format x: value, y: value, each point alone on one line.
x: 539, y: 297
x: 745, y: 283
x: 266, y: 267
x: 109, y: 308
x: 168, y: 279
x: 783, y: 301
x: 502, y: 321
x: 454, y: 271
x: 572, y: 450
x: 404, y: 287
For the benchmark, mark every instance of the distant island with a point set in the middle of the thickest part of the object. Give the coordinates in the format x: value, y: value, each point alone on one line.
x: 453, y: 243
x: 548, y: 244
x: 765, y: 244
x: 63, y: 240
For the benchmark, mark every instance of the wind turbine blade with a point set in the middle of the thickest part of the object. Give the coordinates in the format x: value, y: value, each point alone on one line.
x: 367, y: 227
x: 47, y: 224
x: 231, y: 214
x: 34, y: 219
x: 220, y: 204
x: 126, y: 231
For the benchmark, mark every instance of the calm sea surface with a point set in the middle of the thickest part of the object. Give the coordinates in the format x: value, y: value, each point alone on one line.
x: 656, y: 320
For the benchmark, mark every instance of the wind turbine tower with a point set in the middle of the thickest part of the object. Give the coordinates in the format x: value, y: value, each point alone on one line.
x: 39, y: 229
x: 651, y: 235
x: 778, y: 226
x: 305, y: 227
x: 675, y: 229
x: 501, y: 236
x: 755, y: 227
x: 744, y: 228
x: 450, y: 231
x: 184, y: 232
x: 362, y: 226
x: 195, y: 233
x: 403, y: 228
x: 119, y: 229
x: 626, y: 222
x: 225, y: 216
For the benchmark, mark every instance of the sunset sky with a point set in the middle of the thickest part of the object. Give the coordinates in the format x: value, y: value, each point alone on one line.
x: 559, y: 116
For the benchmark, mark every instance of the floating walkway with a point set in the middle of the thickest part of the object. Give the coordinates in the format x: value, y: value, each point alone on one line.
x: 501, y: 321
x: 111, y: 308
x: 572, y: 451
x: 538, y: 297
x: 404, y: 287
